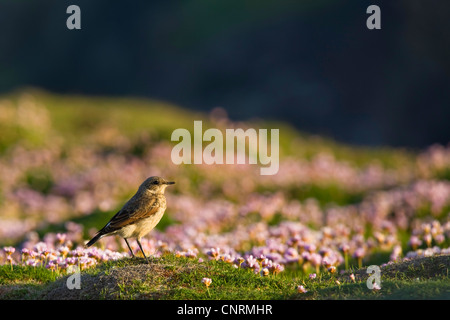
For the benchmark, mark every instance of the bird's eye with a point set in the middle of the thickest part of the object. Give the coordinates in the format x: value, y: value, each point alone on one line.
x: 155, y: 182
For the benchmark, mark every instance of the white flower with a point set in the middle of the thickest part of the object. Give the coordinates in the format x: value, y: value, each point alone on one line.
x: 207, y: 281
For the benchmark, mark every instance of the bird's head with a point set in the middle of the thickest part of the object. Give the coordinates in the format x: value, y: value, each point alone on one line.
x: 155, y: 185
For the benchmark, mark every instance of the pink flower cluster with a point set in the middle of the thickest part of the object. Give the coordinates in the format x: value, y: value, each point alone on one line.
x: 60, y: 257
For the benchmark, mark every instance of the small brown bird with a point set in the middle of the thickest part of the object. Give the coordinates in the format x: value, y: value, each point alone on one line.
x: 139, y: 215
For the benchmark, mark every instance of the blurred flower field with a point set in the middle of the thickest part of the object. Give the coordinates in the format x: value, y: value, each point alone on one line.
x: 67, y: 164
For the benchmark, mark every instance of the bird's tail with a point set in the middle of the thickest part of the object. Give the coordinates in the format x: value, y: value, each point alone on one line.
x: 97, y: 237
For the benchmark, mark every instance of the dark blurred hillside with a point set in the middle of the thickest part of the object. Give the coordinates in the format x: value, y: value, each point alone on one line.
x: 313, y: 63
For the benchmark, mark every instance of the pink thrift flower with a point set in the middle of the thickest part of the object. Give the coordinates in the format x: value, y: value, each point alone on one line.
x: 207, y: 281
x: 344, y: 248
x: 301, y: 289
x: 9, y: 250
x: 415, y: 242
x: 359, y: 253
x: 277, y: 268
x: 61, y: 237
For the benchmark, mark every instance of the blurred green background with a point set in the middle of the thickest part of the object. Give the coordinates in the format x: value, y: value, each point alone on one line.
x: 312, y: 63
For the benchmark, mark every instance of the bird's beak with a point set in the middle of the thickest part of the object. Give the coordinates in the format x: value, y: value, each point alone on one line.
x: 169, y: 182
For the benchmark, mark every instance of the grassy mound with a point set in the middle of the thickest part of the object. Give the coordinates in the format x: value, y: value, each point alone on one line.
x: 171, y: 277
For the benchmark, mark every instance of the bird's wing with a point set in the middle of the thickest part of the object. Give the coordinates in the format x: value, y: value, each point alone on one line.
x: 130, y: 214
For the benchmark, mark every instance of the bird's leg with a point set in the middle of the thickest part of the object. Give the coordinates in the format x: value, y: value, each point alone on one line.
x: 131, y: 251
x: 139, y: 243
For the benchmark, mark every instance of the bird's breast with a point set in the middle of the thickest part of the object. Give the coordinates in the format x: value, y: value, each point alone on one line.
x: 143, y: 226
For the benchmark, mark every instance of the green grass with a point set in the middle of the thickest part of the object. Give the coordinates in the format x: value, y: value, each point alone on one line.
x: 24, y: 282
x: 390, y: 290
x: 175, y: 278
x: 325, y: 195
x: 24, y: 274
